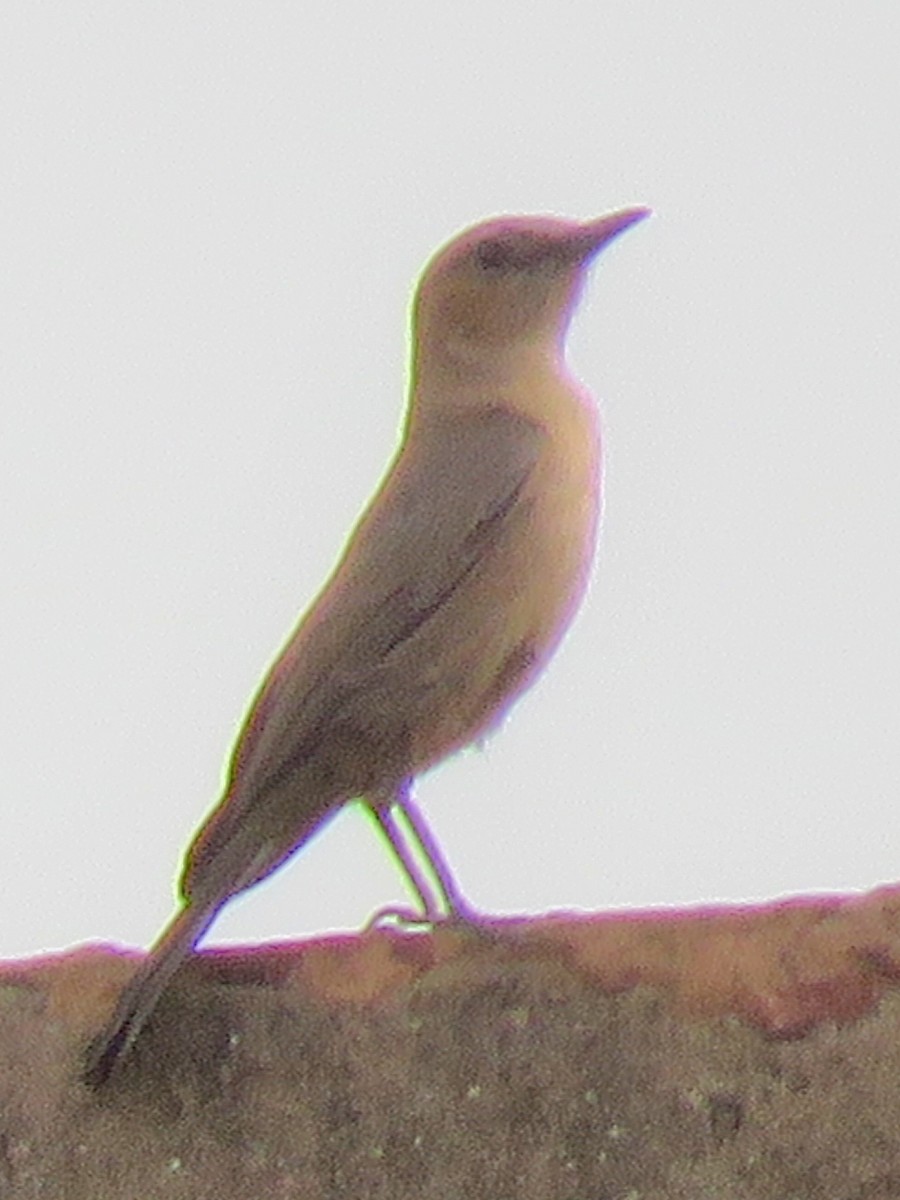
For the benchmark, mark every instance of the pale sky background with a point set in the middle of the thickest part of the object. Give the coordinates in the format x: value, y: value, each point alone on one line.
x: 213, y: 216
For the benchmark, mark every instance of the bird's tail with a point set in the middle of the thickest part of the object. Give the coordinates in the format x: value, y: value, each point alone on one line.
x: 112, y: 1044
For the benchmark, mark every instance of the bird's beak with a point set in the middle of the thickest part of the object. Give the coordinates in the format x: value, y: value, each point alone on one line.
x: 594, y: 235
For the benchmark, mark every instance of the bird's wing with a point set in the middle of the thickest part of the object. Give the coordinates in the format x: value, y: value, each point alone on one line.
x: 444, y: 507
x: 442, y: 511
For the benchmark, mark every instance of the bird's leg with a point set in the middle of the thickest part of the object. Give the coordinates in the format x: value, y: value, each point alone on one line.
x: 453, y: 900
x: 429, y: 907
x: 437, y: 903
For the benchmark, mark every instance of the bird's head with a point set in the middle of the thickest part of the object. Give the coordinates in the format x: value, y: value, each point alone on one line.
x: 507, y: 282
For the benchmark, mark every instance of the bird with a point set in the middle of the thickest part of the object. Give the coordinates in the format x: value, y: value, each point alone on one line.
x: 453, y: 591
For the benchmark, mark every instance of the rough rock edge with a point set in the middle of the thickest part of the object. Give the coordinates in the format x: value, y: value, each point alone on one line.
x: 745, y: 1053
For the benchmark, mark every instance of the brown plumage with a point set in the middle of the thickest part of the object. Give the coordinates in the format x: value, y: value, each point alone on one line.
x: 453, y: 591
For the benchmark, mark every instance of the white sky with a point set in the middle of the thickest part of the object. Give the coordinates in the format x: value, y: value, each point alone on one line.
x: 213, y: 218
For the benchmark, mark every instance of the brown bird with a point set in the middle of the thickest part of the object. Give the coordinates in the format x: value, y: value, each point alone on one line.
x: 452, y: 593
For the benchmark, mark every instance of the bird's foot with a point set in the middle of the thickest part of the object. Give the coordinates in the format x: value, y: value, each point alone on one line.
x: 411, y: 920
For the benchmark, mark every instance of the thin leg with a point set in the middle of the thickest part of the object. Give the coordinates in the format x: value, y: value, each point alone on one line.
x: 447, y: 898
x: 452, y: 897
x: 429, y: 901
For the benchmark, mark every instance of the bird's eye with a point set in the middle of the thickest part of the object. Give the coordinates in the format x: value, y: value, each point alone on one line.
x: 494, y: 255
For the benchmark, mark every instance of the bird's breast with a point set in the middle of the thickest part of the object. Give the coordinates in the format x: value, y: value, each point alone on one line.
x: 511, y: 615
x: 551, y: 559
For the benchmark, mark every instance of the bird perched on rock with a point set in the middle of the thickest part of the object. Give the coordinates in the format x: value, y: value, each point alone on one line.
x: 452, y: 593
